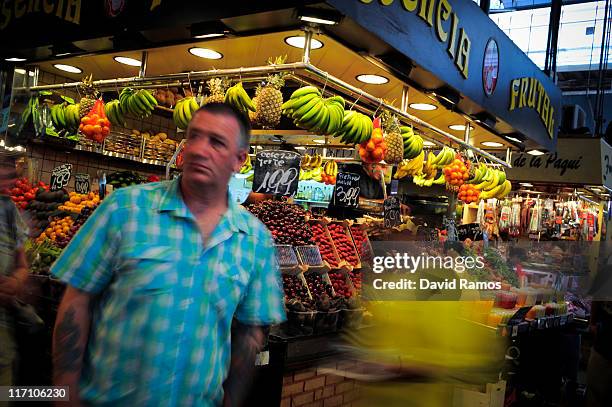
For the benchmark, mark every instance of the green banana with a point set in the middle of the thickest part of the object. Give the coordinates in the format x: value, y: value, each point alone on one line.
x: 305, y: 90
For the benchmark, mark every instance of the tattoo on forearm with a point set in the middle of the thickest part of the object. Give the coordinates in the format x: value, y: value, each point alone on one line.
x: 67, y: 354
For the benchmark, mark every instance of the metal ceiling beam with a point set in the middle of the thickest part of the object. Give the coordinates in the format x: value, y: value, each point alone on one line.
x: 324, y: 77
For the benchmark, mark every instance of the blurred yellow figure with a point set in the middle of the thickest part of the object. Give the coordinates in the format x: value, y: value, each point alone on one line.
x: 431, y: 348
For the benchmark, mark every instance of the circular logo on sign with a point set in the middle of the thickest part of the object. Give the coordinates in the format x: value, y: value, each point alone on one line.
x: 490, y: 67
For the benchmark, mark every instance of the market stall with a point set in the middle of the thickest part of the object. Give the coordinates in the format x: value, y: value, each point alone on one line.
x: 342, y: 158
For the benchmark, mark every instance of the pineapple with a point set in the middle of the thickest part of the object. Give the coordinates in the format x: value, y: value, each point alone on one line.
x: 216, y: 88
x: 254, y: 116
x: 394, y: 141
x: 91, y: 94
x: 270, y: 98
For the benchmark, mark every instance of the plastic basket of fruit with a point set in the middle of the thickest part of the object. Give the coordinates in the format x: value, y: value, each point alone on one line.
x: 361, y: 241
x: 341, y: 236
x: 323, y: 239
x: 126, y: 144
x: 286, y: 257
x: 300, y: 318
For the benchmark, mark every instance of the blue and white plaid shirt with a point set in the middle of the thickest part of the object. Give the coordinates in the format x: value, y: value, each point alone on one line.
x: 160, y: 332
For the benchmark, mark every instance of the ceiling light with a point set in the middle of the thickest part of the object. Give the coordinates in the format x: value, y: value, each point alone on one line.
x: 319, y: 15
x: 300, y: 148
x: 300, y: 42
x: 20, y: 71
x: 68, y: 68
x: 63, y: 54
x: 211, y: 35
x: 127, y: 61
x: 526, y: 184
x: 372, y: 79
x: 14, y: 59
x: 317, y: 20
x: 422, y: 106
x: 459, y: 127
x: 492, y: 144
x: 205, y: 53
x: 535, y: 152
x: 514, y: 139
x: 318, y: 141
x: 428, y: 143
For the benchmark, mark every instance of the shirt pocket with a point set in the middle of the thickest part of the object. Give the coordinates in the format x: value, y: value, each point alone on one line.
x: 225, y: 286
x: 148, y: 270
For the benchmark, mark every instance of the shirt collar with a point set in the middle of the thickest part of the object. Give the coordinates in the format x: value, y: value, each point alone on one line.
x: 172, y: 201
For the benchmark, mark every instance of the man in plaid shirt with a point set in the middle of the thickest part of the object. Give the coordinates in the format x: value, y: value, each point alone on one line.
x: 155, y: 278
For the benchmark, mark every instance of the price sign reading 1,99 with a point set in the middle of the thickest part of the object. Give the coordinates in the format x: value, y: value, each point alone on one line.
x: 276, y: 172
x: 60, y: 176
x: 346, y: 192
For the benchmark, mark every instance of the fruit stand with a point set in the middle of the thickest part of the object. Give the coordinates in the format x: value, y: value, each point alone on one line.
x: 124, y: 130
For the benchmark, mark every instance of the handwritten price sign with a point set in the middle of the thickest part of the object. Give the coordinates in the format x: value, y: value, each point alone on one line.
x: 81, y: 183
x: 346, y: 192
x: 391, y: 210
x: 276, y: 172
x: 60, y: 176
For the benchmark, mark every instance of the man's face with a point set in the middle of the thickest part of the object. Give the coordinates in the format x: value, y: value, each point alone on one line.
x: 212, y: 152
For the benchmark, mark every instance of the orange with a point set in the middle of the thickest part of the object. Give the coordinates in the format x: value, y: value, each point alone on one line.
x: 377, y: 154
x: 383, y: 145
x: 85, y: 120
x: 94, y: 118
x: 370, y: 146
x: 88, y: 129
x: 377, y: 137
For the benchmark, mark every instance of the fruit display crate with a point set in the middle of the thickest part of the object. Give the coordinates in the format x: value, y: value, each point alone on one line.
x: 310, y: 277
x: 341, y: 283
x: 341, y: 230
x: 121, y: 143
x: 298, y: 281
x: 364, y: 247
x: 325, y: 244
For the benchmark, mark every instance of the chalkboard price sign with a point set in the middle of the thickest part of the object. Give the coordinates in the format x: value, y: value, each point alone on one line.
x: 60, y: 176
x: 391, y: 210
x: 346, y: 192
x: 276, y: 172
x: 81, y: 183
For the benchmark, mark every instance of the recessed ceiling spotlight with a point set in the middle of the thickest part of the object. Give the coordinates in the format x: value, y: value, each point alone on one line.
x: 422, y: 106
x: 205, y: 53
x: 372, y: 79
x: 492, y: 144
x: 127, y: 61
x: 535, y: 152
x: 68, y: 68
x: 14, y: 59
x: 300, y: 42
x: 459, y: 127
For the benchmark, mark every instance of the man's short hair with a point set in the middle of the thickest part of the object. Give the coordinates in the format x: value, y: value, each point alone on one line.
x: 223, y: 108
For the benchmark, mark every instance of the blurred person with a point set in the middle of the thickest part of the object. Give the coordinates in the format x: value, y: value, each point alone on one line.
x: 155, y: 278
x: 13, y: 268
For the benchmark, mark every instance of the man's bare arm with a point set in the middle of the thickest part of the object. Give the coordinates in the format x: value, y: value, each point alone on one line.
x: 70, y: 339
x: 247, y: 340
